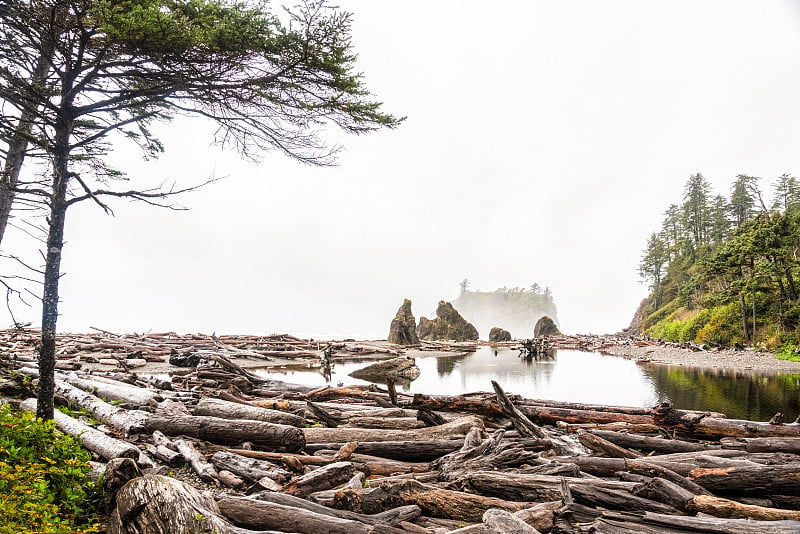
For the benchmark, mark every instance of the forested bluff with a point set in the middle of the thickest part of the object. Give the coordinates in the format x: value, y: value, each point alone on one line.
x: 722, y: 270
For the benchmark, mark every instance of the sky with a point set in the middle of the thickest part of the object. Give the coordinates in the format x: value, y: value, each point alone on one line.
x: 543, y: 142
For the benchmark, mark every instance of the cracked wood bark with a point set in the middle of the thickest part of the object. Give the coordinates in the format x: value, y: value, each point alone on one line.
x: 750, y: 480
x: 155, y: 503
x: 104, y: 446
x: 232, y: 410
x: 433, y: 501
x: 227, y: 431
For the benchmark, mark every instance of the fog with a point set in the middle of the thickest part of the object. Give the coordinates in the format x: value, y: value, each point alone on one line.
x: 543, y: 143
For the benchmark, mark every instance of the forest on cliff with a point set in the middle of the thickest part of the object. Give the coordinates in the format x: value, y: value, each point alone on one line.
x: 723, y: 270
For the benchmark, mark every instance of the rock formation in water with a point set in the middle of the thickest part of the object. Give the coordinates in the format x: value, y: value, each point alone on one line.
x: 448, y: 326
x: 498, y: 334
x: 403, y: 330
x: 545, y: 327
x: 513, y: 309
x: 403, y: 367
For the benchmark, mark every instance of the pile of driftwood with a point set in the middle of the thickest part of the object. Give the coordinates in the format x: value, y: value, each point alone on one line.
x: 130, y: 351
x: 223, y: 450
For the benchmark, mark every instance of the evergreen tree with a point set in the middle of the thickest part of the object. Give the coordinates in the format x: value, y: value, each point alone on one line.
x: 696, y: 210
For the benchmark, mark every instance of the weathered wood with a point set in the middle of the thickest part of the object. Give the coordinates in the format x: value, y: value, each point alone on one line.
x: 503, y: 522
x: 520, y: 421
x: 747, y: 480
x: 408, y: 450
x: 719, y: 507
x: 249, y: 469
x: 722, y: 525
x: 323, y: 415
x: 698, y: 425
x: 390, y: 517
x: 204, y: 470
x: 533, y: 488
x: 646, y: 443
x: 612, y: 427
x: 393, y: 423
x: 456, y: 428
x: 321, y: 479
x: 485, y: 455
x: 116, y: 474
x: 664, y: 491
x: 232, y: 410
x: 433, y: 501
x: 155, y: 503
x: 225, y: 431
x: 602, y: 445
x: 129, y: 421
x: 111, y: 389
x: 252, y: 513
x: 477, y: 403
x: 615, y: 499
x: 545, y: 415
x: 106, y: 447
x: 776, y: 444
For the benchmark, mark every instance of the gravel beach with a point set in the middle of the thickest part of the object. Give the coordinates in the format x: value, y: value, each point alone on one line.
x: 743, y: 360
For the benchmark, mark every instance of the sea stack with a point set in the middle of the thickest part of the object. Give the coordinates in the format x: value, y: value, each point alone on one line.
x: 498, y: 334
x: 403, y: 330
x: 545, y: 327
x: 448, y: 326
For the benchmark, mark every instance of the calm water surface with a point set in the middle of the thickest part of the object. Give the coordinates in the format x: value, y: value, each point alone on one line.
x: 587, y: 377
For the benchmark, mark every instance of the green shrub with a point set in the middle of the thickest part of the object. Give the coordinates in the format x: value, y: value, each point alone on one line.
x: 42, y: 477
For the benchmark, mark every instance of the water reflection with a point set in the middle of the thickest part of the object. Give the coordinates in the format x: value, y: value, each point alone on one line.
x: 575, y: 376
x: 739, y: 395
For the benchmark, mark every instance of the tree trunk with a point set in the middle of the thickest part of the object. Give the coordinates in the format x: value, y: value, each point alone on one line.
x: 456, y: 428
x: 232, y: 410
x: 645, y: 443
x: 433, y: 501
x: 390, y: 517
x: 52, y: 270
x: 104, y: 446
x: 408, y: 451
x: 18, y: 144
x: 777, y: 444
x: 719, y: 507
x: 750, y: 480
x: 250, y: 469
x: 743, y: 309
x: 225, y: 431
x: 155, y: 503
x: 251, y: 513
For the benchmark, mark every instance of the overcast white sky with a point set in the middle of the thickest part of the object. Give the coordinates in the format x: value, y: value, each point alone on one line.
x: 543, y: 143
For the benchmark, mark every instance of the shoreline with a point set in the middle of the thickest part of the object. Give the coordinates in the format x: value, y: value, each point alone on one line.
x: 745, y: 361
